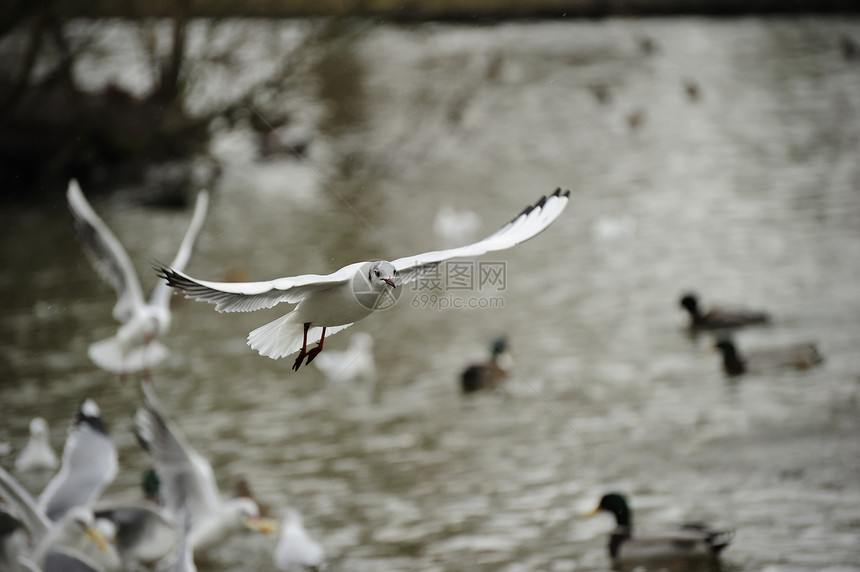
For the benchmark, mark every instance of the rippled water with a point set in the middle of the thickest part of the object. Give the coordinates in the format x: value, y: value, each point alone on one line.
x: 748, y: 195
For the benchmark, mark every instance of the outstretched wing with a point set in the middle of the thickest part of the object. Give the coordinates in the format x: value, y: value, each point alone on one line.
x: 185, y: 476
x: 161, y: 293
x: 105, y: 252
x: 250, y: 296
x: 89, y: 464
x: 528, y: 224
x: 24, y: 506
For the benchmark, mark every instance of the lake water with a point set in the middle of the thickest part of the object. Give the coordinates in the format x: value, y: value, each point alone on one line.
x: 747, y: 194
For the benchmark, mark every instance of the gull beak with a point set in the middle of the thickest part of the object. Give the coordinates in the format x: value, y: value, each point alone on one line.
x: 261, y: 524
x: 591, y: 513
x: 390, y: 282
x: 97, y: 537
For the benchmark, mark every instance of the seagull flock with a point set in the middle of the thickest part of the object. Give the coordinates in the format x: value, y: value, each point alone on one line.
x: 70, y: 527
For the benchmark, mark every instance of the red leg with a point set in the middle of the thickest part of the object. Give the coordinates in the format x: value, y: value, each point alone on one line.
x: 314, y: 351
x: 304, y: 351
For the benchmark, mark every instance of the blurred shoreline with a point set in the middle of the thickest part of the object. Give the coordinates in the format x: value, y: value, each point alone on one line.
x: 450, y: 10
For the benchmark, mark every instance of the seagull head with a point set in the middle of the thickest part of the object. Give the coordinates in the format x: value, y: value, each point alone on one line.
x: 248, y: 514
x: 382, y: 273
x: 38, y: 427
x: 80, y: 522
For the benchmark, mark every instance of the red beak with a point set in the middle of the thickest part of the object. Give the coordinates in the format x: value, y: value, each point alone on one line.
x: 390, y: 282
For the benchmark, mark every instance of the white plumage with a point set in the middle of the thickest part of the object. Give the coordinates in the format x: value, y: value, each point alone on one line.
x: 188, y: 484
x: 352, y: 363
x: 37, y: 453
x: 89, y: 465
x: 296, y: 550
x: 326, y: 304
x: 134, y: 347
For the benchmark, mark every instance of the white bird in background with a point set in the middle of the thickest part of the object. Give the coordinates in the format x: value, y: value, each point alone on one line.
x: 354, y: 362
x: 134, y: 346
x: 456, y: 227
x: 188, y: 483
x: 37, y: 453
x: 330, y: 303
x: 296, y: 551
x: 89, y: 465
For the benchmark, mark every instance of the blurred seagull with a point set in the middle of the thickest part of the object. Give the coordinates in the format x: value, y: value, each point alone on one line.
x: 89, y: 464
x: 134, y: 346
x: 335, y: 301
x: 37, y: 453
x: 75, y: 529
x: 144, y: 534
x: 296, y: 550
x: 188, y: 483
x: 456, y: 227
x: 354, y: 362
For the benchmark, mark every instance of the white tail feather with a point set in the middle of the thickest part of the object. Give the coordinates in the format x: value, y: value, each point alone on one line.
x: 108, y: 355
x: 283, y: 337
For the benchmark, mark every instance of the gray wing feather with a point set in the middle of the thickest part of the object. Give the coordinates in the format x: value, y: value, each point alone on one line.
x: 89, y: 465
x: 25, y: 506
x: 63, y: 559
x: 142, y: 531
x: 251, y: 296
x: 186, y: 477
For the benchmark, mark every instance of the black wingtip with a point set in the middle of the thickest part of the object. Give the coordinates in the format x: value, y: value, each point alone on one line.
x: 165, y: 273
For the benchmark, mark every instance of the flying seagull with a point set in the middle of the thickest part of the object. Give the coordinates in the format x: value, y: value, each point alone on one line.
x: 89, y: 464
x: 134, y: 347
x: 76, y: 528
x: 335, y: 301
x: 188, y: 482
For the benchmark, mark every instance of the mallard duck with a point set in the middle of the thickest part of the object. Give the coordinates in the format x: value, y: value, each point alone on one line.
x: 720, y: 319
x: 486, y: 375
x: 798, y: 356
x: 685, y: 543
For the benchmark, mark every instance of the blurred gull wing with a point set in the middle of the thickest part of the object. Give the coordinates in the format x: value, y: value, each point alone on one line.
x: 161, y: 293
x: 528, y: 224
x: 143, y: 533
x: 106, y: 253
x: 186, y: 477
x: 89, y: 464
x: 64, y: 559
x: 251, y: 296
x: 24, y: 507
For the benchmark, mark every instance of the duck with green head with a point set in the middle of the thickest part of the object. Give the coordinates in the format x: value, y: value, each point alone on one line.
x: 487, y: 375
x: 687, y: 544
